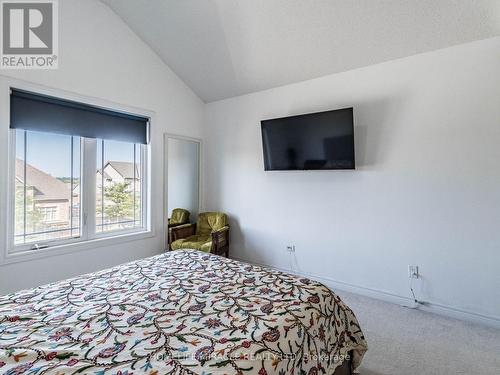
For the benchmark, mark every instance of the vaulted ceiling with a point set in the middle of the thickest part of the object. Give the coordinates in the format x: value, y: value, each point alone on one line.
x: 224, y: 48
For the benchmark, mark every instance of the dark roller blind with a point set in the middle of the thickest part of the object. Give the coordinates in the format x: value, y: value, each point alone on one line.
x: 31, y: 111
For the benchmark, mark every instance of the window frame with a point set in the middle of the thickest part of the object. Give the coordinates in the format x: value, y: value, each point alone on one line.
x: 88, y: 239
x: 12, y: 248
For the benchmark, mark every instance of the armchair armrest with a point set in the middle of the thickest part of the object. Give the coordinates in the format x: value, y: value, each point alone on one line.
x: 181, y: 231
x: 220, y: 241
x: 174, y: 225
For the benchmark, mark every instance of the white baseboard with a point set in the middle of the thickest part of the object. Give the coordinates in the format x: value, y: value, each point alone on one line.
x: 447, y: 311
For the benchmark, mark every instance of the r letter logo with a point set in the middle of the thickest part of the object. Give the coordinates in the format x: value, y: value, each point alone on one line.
x: 29, y: 34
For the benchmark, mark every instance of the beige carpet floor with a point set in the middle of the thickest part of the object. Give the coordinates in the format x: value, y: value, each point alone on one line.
x: 410, y: 342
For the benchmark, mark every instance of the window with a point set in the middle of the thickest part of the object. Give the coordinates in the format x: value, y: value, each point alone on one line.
x: 47, y: 175
x: 78, y: 186
x: 118, y: 204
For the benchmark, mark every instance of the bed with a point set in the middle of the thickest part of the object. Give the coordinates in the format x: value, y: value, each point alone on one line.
x: 182, y: 312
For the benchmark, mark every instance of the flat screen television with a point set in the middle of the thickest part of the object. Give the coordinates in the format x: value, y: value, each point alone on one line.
x: 314, y: 141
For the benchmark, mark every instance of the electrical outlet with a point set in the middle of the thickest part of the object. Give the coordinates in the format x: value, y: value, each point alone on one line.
x: 290, y: 248
x: 413, y: 272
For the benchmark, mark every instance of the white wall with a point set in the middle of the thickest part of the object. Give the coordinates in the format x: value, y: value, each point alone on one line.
x: 101, y: 57
x: 426, y: 190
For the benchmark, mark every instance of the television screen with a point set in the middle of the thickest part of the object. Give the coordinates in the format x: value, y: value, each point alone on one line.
x: 322, y: 140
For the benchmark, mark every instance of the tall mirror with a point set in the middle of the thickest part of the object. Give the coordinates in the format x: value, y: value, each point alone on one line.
x: 182, y: 188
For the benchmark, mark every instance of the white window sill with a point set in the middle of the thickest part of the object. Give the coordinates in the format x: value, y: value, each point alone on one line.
x: 27, y: 255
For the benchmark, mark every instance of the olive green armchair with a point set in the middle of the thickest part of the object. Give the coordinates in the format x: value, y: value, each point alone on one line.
x: 209, y: 234
x: 179, y: 216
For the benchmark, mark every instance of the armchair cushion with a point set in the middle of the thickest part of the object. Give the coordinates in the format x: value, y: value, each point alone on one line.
x: 198, y: 242
x: 209, y: 222
x: 209, y: 234
x: 179, y: 216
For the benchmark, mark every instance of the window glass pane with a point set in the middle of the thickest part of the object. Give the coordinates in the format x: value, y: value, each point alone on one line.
x: 118, y: 186
x: 47, y: 180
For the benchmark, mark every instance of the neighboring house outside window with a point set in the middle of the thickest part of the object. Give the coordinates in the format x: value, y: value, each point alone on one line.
x: 48, y: 214
x: 50, y: 203
x: 122, y: 184
x: 47, y: 205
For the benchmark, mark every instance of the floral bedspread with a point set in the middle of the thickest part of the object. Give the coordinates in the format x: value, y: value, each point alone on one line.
x: 182, y: 312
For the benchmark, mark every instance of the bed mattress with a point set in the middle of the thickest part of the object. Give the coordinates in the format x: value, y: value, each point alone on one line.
x: 182, y: 312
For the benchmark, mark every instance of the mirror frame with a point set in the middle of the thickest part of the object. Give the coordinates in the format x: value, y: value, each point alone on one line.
x: 166, y: 136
